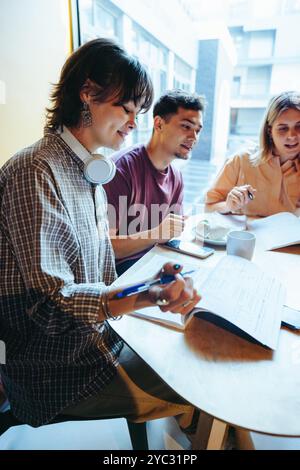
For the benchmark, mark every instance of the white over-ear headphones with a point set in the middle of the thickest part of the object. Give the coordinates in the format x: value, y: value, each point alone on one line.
x: 97, y: 168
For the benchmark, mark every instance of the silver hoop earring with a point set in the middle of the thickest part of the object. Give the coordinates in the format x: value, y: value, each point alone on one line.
x: 86, y: 116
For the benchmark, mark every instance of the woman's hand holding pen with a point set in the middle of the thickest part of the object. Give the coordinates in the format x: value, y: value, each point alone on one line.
x: 178, y: 296
x: 239, y: 197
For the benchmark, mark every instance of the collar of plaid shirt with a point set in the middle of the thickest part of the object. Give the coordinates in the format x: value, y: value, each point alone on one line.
x: 75, y: 145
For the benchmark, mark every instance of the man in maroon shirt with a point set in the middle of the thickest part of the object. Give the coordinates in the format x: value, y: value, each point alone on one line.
x: 145, y: 197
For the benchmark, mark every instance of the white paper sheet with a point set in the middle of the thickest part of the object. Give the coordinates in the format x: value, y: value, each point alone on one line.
x: 235, y: 289
x: 276, y: 231
x: 246, y: 296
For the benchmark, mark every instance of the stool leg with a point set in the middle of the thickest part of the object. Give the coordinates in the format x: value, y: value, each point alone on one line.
x: 138, y: 435
x: 211, y: 433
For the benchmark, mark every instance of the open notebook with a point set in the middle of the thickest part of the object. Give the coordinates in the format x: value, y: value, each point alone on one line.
x: 276, y: 231
x: 236, y: 292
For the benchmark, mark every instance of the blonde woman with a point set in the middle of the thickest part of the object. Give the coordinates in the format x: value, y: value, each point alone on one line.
x: 267, y: 180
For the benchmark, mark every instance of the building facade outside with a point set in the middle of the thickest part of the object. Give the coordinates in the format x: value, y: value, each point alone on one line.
x: 144, y: 32
x: 238, y: 53
x: 268, y: 62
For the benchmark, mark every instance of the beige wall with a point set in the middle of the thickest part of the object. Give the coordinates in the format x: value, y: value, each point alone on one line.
x: 34, y: 43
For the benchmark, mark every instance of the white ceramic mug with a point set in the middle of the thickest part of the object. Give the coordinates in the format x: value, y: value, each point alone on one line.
x: 240, y: 243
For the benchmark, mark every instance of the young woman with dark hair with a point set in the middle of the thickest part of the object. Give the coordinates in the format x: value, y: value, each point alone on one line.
x: 57, y: 261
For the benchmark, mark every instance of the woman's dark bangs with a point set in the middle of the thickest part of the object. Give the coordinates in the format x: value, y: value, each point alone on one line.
x: 136, y: 85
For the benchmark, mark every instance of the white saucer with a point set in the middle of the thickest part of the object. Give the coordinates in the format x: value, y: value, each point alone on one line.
x: 209, y: 241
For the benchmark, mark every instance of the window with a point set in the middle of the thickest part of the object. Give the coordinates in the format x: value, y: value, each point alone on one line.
x: 238, y: 8
x: 261, y: 44
x: 240, y: 42
x: 155, y: 58
x: 153, y: 55
x: 236, y: 87
x: 182, y: 75
x: 257, y: 83
x: 246, y: 121
x: 99, y: 19
x: 264, y: 33
x: 292, y: 6
x: 265, y: 9
x: 253, y: 44
x: 106, y: 21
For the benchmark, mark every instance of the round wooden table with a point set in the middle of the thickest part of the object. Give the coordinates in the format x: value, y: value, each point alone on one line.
x: 231, y: 380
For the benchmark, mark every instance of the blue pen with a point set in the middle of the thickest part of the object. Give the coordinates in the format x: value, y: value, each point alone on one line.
x: 137, y: 288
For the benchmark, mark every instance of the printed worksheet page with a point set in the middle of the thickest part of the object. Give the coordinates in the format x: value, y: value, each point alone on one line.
x: 241, y: 293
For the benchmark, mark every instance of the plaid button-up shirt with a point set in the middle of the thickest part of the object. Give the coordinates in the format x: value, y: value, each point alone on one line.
x: 55, y: 258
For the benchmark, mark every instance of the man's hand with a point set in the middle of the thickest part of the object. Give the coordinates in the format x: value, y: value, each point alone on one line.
x: 179, y: 296
x: 238, y: 198
x: 171, y: 227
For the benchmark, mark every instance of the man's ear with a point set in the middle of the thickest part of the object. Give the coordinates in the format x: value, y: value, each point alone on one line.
x: 158, y: 124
